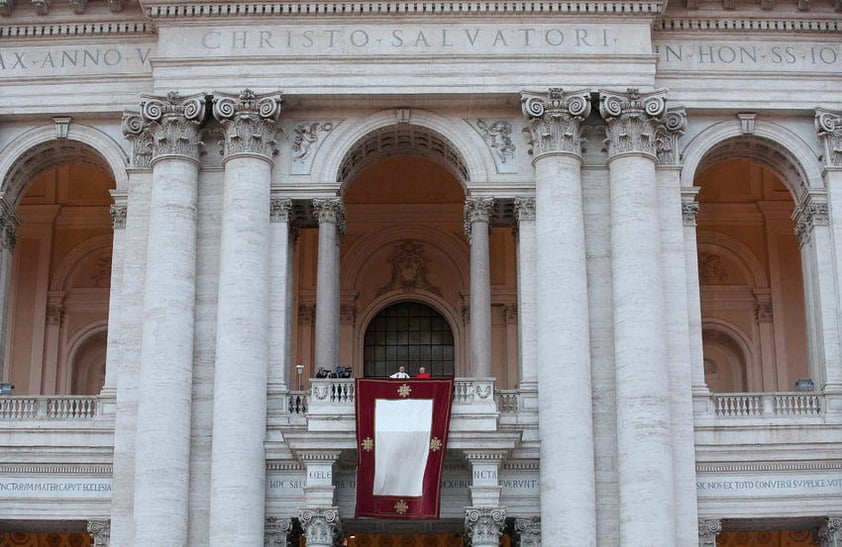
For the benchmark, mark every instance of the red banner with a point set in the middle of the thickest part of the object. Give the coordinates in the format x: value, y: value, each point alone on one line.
x: 401, y: 441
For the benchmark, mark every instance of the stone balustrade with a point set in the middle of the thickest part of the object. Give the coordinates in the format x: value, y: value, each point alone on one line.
x: 49, y: 407
x: 746, y: 405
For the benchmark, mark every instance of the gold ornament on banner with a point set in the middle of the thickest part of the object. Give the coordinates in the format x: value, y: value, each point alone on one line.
x: 435, y: 444
x: 401, y: 507
x: 404, y: 390
x: 368, y: 444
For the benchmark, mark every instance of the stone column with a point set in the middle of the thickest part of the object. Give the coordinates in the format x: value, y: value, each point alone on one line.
x: 568, y: 498
x: 528, y: 531
x: 280, y: 213
x: 50, y: 382
x: 644, y: 434
x: 100, y: 532
x: 477, y: 226
x: 277, y: 532
x: 8, y: 238
x: 689, y: 210
x: 238, y: 462
x: 830, y: 535
x: 115, y: 307
x: 709, y: 530
x: 162, y: 457
x: 331, y: 215
x: 484, y: 525
x: 321, y: 525
x: 527, y: 294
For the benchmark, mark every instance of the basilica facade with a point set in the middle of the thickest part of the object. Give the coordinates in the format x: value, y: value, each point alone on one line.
x: 612, y: 223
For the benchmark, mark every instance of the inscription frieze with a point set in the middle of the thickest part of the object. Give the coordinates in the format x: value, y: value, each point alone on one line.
x: 741, y: 56
x: 36, y: 61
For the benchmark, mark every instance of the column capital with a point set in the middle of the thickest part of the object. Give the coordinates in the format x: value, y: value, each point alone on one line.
x: 321, y: 525
x: 669, y: 132
x: 829, y: 129
x: 249, y: 122
x: 812, y: 212
x: 8, y: 230
x: 276, y: 531
x: 830, y: 534
x: 330, y: 210
x: 118, y: 215
x: 555, y: 120
x: 709, y: 529
x: 525, y: 209
x: 485, y: 525
x: 529, y: 530
x: 166, y: 126
x: 477, y: 210
x: 632, y: 120
x: 280, y: 209
x: 100, y: 532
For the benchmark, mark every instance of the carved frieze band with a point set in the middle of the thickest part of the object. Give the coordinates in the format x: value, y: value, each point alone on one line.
x: 829, y: 128
x: 555, y: 120
x: 280, y: 210
x: 809, y: 215
x: 249, y: 122
x: 709, y: 529
x: 165, y: 126
x: 485, y: 524
x: 321, y: 525
x: 632, y: 120
x: 529, y: 531
x: 330, y: 210
x: 100, y: 531
x: 477, y: 210
x: 276, y: 531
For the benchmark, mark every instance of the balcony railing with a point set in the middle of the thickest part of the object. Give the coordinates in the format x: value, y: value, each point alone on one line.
x: 746, y: 405
x: 49, y: 407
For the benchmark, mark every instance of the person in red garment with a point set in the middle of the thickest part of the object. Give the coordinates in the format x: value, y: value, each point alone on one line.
x: 422, y: 373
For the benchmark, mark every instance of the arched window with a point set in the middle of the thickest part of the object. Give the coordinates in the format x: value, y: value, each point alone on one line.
x: 408, y: 334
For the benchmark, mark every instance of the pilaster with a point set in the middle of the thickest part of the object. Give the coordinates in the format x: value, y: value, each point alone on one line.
x: 477, y: 224
x: 485, y: 469
x: 321, y: 525
x: 527, y: 291
x: 689, y: 210
x: 8, y: 238
x: 280, y: 324
x: 709, y: 530
x: 319, y: 488
x: 484, y: 525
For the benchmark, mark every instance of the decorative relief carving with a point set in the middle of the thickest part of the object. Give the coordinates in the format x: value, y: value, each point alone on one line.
x: 321, y: 525
x: 55, y: 314
x: 62, y: 126
x: 510, y: 313
x: 632, y: 120
x: 524, y: 209
x: 249, y: 122
x: 276, y: 531
x: 484, y: 525
x: 709, y: 529
x: 747, y: 122
x: 135, y: 131
x: 347, y: 314
x: 307, y: 140
x: 477, y: 210
x: 710, y: 269
x: 763, y: 310
x: 409, y: 269
x: 330, y: 210
x: 498, y: 136
x: 8, y: 230
x: 166, y: 126
x: 280, y: 210
x: 100, y: 531
x: 101, y: 276
x: 529, y: 531
x: 809, y: 215
x: 668, y: 134
x: 555, y: 120
x: 830, y: 534
x: 306, y: 314
x: 829, y: 128
x: 118, y: 215
x: 689, y: 210
x: 6, y: 6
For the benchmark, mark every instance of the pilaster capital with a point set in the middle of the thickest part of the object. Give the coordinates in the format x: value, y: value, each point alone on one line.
x: 485, y: 524
x: 555, y: 120
x: 165, y: 126
x: 709, y: 529
x: 669, y: 132
x: 525, y: 209
x: 276, y: 531
x: 689, y: 205
x: 8, y: 230
x: 100, y: 531
x: 118, y: 215
x: 249, y: 122
x: 829, y: 129
x: 529, y: 531
x: 812, y: 212
x: 632, y: 120
x: 321, y: 525
x: 280, y: 209
x: 330, y: 210
x: 830, y: 534
x: 477, y: 210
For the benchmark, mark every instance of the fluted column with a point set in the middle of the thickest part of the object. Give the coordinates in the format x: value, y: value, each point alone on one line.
x: 238, y: 462
x: 645, y: 459
x: 477, y: 225
x: 8, y: 238
x: 568, y: 499
x: 100, y: 532
x: 321, y: 525
x: 331, y: 215
x: 162, y: 458
x: 527, y: 294
x: 709, y: 530
x: 484, y: 525
x: 528, y: 531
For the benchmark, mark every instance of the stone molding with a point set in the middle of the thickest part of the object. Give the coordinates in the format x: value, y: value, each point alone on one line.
x: 118, y: 215
x: 830, y: 534
x: 632, y: 120
x: 829, y: 129
x: 524, y: 209
x: 330, y: 210
x: 56, y: 469
x: 669, y: 132
x: 477, y: 210
x: 280, y: 210
x: 284, y: 466
x: 709, y: 530
x: 100, y: 531
x: 768, y: 467
x: 321, y: 525
x: 742, y: 24
x: 249, y: 122
x: 529, y: 531
x: 555, y: 120
x: 484, y: 525
x: 813, y: 212
x: 76, y: 28
x: 276, y: 531
x: 165, y: 127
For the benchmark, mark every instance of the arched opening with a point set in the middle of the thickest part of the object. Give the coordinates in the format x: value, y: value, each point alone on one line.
x: 725, y: 362
x: 750, y: 273
x: 409, y: 334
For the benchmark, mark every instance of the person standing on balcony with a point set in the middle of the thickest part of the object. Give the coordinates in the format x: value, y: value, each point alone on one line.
x: 401, y: 373
x: 422, y: 373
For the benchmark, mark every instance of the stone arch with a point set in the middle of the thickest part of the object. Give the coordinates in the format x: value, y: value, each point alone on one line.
x: 455, y: 145
x: 87, y: 340
x: 771, y: 144
x: 751, y: 267
x: 65, y: 268
x: 38, y: 150
x: 718, y: 332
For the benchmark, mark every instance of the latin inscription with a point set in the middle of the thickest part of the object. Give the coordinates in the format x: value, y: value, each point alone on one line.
x: 728, y: 55
x: 39, y: 61
x: 446, y: 484
x: 56, y: 488
x: 772, y: 487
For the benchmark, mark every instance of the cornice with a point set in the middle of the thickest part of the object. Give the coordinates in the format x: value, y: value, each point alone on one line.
x: 98, y: 470
x: 163, y: 9
x: 64, y: 30
x: 734, y: 24
x: 734, y: 467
